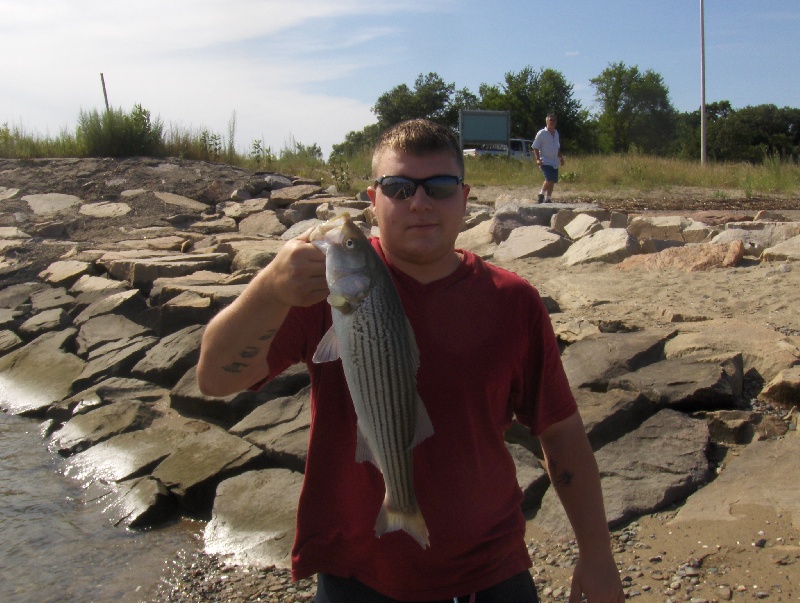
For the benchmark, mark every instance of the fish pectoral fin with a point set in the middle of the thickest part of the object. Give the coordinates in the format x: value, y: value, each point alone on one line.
x: 412, y: 344
x: 363, y: 451
x: 424, y: 427
x: 328, y: 348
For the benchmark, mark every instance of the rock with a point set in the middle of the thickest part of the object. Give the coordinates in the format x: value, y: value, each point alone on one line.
x: 135, y: 453
x: 763, y: 350
x: 509, y: 217
x: 238, y: 211
x: 686, y: 383
x: 280, y: 427
x: 531, y: 241
x: 25, y: 388
x: 285, y: 196
x: 592, y: 362
x: 103, y: 329
x: 263, y: 223
x: 194, y: 469
x: 50, y: 298
x: 758, y: 236
x: 128, y: 303
x: 611, y: 245
x: 43, y: 322
x: 186, y: 396
x: 181, y: 201
x: 661, y: 462
x: 184, y: 310
x: 108, y: 391
x: 477, y: 239
x: 167, y: 361
x: 140, y: 503
x: 105, y: 209
x: 218, y: 225
x: 607, y: 416
x: 784, y: 389
x: 51, y: 203
x: 253, y: 519
x: 113, y: 358
x: 143, y: 269
x: 787, y: 250
x: 9, y: 341
x: 772, y: 462
x: 12, y: 232
x: 582, y: 226
x: 691, y: 258
x: 88, y: 289
x: 86, y: 430
x: 663, y: 228
x: 65, y: 273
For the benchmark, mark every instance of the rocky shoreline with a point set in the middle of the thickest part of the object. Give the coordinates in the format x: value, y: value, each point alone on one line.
x: 110, y: 269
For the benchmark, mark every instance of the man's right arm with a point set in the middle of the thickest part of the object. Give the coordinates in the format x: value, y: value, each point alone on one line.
x: 233, y: 354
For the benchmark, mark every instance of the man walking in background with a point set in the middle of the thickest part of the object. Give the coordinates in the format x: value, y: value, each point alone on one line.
x: 547, y: 149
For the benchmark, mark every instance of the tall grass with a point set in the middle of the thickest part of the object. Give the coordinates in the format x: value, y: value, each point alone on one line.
x: 115, y: 133
x: 615, y: 173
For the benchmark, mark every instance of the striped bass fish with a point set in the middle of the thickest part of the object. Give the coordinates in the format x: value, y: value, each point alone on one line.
x: 372, y: 336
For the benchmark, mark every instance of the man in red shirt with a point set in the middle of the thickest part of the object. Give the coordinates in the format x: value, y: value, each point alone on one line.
x: 487, y: 354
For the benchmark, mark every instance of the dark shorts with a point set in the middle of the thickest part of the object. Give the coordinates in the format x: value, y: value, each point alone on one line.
x: 333, y: 589
x: 550, y: 173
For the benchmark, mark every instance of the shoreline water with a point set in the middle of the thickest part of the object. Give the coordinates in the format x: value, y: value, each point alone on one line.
x: 56, y: 547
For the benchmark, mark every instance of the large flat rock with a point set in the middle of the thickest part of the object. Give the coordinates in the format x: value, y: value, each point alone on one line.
x: 763, y: 474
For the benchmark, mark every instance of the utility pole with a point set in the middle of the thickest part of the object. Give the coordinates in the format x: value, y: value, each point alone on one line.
x: 703, y: 141
x: 103, y: 81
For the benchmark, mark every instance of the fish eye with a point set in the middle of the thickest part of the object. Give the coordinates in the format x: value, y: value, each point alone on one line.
x: 350, y: 243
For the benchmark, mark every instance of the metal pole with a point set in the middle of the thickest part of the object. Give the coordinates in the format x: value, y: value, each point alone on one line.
x: 103, y: 81
x: 703, y: 140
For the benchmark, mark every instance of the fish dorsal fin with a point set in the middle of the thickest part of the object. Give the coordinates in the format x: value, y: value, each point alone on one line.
x: 328, y: 348
x: 363, y: 451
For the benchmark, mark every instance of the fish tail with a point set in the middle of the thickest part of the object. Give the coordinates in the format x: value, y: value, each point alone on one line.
x: 413, y: 523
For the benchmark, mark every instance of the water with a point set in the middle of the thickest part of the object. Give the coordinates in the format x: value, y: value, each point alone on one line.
x: 56, y: 548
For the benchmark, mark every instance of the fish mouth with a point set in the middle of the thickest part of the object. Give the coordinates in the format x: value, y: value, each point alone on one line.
x: 329, y: 232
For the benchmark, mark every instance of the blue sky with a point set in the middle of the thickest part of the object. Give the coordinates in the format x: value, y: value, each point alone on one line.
x: 310, y: 70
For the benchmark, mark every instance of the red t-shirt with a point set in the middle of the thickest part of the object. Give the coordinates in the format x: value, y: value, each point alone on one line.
x: 487, y: 353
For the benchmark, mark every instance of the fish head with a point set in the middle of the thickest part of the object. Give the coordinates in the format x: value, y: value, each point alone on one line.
x: 349, y: 261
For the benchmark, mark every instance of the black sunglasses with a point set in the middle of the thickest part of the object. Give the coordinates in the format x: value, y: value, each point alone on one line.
x: 436, y: 187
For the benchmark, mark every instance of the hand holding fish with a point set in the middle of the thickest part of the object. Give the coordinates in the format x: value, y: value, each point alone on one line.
x: 296, y: 277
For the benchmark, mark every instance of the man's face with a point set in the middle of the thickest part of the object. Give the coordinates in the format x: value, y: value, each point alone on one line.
x: 551, y: 123
x: 419, y: 232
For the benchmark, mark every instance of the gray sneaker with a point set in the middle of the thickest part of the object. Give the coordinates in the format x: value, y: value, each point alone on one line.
x: 540, y: 198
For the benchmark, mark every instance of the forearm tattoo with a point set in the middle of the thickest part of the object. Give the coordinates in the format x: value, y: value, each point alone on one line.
x: 247, y: 353
x: 560, y: 477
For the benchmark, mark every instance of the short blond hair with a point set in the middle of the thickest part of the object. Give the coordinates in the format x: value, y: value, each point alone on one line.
x: 418, y: 137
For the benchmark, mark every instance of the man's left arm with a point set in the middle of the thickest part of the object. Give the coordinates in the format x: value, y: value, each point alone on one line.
x: 575, y: 476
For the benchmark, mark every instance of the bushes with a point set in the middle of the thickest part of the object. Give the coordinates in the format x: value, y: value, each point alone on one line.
x: 114, y: 133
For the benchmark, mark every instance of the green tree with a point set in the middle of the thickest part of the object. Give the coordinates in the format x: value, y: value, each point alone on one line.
x: 687, y: 128
x: 530, y: 95
x: 634, y: 110
x: 755, y: 133
x: 431, y: 98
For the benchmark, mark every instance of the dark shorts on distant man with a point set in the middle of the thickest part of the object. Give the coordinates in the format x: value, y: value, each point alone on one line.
x: 550, y: 173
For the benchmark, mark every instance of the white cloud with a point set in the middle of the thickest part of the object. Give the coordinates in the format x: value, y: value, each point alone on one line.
x: 194, y: 62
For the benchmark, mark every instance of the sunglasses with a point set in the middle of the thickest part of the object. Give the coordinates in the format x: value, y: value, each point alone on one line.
x: 436, y: 187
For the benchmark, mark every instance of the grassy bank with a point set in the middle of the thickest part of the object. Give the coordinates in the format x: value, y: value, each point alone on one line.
x: 592, y: 174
